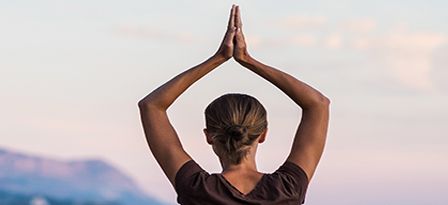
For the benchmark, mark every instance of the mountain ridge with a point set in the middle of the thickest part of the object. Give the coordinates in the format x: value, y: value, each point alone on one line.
x: 81, y: 180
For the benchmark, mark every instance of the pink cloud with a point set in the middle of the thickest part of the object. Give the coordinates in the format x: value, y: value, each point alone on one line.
x: 409, y: 54
x: 334, y: 41
x: 300, y: 22
x: 308, y: 40
x: 305, y: 40
x: 253, y: 40
x: 360, y: 25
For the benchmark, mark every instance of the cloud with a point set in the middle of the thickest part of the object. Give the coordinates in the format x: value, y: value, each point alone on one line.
x: 305, y: 40
x: 409, y: 54
x: 401, y: 40
x: 439, y: 70
x: 334, y: 41
x: 258, y: 41
x: 300, y: 22
x: 361, y: 43
x: 158, y: 34
x: 253, y: 40
x: 359, y: 25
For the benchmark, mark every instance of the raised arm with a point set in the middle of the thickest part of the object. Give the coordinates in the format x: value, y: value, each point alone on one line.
x: 310, y: 137
x: 160, y: 134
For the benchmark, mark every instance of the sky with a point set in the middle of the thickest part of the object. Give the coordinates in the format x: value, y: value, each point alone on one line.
x: 72, y: 72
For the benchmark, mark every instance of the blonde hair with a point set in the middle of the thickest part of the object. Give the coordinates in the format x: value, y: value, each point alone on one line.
x: 235, y: 121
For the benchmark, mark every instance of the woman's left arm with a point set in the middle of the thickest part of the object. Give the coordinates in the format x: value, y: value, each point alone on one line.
x: 160, y: 134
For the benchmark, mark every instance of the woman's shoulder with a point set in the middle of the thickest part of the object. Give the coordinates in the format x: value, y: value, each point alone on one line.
x: 289, y: 181
x: 291, y: 169
x: 289, y: 175
x: 187, y: 169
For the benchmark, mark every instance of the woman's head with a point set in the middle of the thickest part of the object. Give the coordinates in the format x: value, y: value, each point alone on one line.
x: 234, y: 122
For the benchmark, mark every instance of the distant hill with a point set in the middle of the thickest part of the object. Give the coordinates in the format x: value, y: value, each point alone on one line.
x: 24, y: 178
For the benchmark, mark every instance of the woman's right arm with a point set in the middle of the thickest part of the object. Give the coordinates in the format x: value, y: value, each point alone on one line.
x: 162, y: 139
x: 311, y: 134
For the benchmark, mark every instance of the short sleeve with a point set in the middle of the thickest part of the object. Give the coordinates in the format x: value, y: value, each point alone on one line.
x: 294, y: 170
x: 188, y: 170
x: 296, y: 177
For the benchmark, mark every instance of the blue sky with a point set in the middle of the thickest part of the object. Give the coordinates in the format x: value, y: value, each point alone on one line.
x: 72, y: 72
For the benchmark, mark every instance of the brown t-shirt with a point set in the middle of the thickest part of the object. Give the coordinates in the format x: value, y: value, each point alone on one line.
x: 195, y: 186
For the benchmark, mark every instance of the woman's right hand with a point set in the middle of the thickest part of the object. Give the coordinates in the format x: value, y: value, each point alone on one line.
x: 240, y: 48
x: 311, y: 134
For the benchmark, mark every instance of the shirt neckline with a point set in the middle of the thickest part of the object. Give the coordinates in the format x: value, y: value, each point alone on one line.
x: 237, y: 190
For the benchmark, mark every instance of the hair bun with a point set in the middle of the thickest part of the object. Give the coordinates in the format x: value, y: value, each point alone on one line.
x: 237, y: 132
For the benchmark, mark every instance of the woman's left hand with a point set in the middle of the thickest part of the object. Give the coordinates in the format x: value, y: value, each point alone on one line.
x: 226, y: 48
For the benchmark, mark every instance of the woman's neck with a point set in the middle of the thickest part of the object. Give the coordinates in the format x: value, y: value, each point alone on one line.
x: 247, y: 163
x: 244, y: 165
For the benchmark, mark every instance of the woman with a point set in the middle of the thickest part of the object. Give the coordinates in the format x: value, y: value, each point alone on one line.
x: 235, y: 124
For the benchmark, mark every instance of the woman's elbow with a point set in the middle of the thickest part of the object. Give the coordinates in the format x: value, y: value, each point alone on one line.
x: 143, y: 104
x: 321, y: 102
x: 325, y: 101
x: 147, y: 104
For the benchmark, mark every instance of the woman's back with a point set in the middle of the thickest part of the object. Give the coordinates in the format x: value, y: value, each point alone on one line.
x: 287, y: 185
